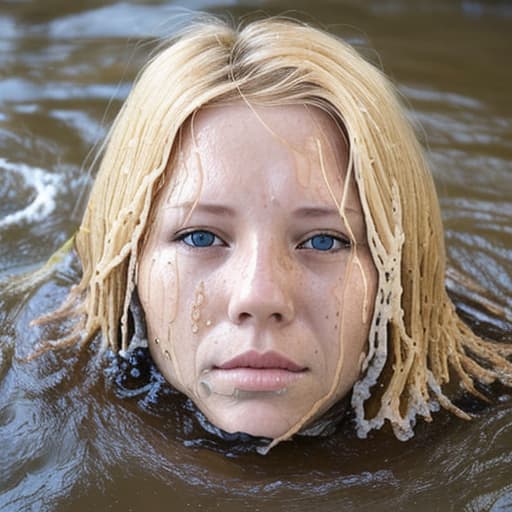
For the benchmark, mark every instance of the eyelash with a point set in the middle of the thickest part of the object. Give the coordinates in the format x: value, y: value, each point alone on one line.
x: 343, y: 242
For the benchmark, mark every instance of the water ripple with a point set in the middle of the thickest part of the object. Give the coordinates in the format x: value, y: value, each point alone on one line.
x: 44, y: 186
x: 424, y: 94
x: 125, y: 20
x: 16, y: 90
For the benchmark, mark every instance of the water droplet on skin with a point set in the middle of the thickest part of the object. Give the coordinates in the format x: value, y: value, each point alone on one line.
x: 208, y: 323
x: 168, y: 354
x: 195, y: 314
x: 157, y: 341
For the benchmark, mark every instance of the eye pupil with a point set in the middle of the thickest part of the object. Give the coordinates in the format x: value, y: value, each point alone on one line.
x: 202, y: 238
x: 322, y: 242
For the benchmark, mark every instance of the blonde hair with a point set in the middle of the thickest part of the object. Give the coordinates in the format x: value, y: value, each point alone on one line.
x: 417, y: 343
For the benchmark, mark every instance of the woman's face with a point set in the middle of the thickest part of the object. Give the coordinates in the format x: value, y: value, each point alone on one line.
x: 253, y: 287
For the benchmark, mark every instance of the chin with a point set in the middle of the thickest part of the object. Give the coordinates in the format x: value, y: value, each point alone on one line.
x: 256, y: 419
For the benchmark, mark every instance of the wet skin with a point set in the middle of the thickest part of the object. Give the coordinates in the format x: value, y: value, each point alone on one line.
x: 252, y: 284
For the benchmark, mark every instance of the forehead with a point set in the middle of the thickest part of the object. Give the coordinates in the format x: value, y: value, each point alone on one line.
x: 287, y: 150
x: 288, y: 125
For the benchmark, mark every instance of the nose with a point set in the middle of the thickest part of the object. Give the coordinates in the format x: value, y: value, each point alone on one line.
x: 262, y: 289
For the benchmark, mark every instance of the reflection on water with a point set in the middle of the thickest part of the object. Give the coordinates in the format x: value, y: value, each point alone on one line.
x: 80, y: 432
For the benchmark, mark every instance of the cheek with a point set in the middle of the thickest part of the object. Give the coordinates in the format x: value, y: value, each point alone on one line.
x: 357, y: 298
x: 343, y: 310
x: 179, y: 313
x: 320, y: 307
x: 158, y: 289
x: 333, y: 318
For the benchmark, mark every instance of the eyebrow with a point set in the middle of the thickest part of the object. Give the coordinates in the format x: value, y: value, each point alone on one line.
x: 211, y: 208
x: 319, y: 211
x: 303, y: 212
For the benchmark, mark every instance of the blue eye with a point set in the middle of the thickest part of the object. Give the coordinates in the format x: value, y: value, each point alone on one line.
x: 324, y: 242
x: 200, y: 238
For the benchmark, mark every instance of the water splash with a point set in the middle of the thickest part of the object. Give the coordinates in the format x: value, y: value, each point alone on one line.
x: 45, y: 187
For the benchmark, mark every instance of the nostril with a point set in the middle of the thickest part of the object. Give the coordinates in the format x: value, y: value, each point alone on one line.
x: 278, y: 317
x: 244, y: 316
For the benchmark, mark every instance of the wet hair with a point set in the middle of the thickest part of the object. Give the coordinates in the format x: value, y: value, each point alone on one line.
x: 417, y: 344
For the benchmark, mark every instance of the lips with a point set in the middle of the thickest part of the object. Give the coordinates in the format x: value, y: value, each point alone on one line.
x: 255, y: 372
x: 267, y: 360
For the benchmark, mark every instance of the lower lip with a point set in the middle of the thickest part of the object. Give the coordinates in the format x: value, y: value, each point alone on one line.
x: 256, y: 379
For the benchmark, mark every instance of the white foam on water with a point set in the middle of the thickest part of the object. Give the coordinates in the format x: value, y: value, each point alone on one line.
x: 45, y: 186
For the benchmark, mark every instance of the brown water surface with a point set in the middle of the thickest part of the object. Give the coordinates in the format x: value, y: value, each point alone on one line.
x: 79, y: 434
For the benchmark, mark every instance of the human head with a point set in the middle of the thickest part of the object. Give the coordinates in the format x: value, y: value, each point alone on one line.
x: 256, y: 279
x: 415, y: 336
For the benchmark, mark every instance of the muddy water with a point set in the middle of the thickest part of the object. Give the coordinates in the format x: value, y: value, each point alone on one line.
x: 82, y: 434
